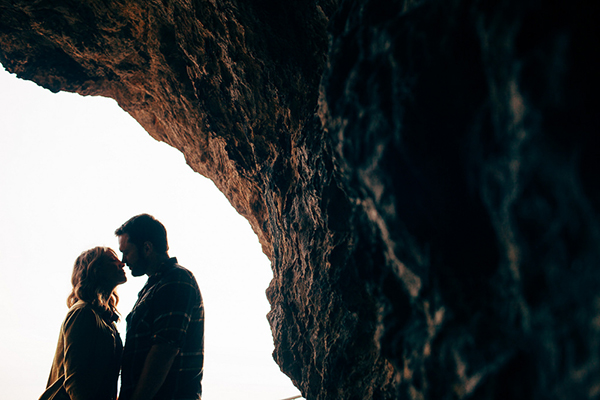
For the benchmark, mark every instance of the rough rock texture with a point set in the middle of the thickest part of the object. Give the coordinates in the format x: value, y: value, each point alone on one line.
x: 422, y: 174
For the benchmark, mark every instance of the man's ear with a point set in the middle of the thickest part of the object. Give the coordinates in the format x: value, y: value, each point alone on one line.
x: 148, y: 248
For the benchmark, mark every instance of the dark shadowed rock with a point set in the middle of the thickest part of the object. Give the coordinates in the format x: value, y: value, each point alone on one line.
x: 421, y: 174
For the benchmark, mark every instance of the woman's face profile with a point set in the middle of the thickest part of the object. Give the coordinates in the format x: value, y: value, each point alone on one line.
x: 110, y: 271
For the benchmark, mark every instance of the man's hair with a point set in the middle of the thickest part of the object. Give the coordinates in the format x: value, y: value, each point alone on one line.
x: 145, y: 228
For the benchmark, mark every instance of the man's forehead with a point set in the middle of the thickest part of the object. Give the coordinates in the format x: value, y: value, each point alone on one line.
x: 123, y: 241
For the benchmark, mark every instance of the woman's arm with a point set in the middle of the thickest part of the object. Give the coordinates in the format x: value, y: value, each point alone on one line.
x: 85, y: 367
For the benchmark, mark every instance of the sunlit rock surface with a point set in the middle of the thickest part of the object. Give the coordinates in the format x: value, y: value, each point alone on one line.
x: 422, y: 174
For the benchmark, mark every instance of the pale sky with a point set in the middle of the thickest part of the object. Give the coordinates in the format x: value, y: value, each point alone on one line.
x: 72, y: 170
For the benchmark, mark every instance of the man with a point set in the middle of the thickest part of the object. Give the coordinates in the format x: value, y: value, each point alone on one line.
x: 164, y: 346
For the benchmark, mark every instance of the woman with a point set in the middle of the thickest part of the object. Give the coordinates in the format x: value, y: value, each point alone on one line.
x: 88, y: 355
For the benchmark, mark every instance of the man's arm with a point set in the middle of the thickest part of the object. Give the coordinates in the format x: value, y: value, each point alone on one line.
x: 156, y: 368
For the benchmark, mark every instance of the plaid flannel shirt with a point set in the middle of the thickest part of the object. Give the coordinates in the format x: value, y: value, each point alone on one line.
x: 169, y: 309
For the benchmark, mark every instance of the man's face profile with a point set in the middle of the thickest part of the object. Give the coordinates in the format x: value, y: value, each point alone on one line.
x: 132, y: 256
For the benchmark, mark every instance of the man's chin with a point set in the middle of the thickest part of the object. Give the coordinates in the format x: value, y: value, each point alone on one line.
x: 136, y: 273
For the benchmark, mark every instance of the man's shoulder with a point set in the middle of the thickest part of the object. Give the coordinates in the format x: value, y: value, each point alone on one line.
x: 178, y: 273
x: 175, y: 284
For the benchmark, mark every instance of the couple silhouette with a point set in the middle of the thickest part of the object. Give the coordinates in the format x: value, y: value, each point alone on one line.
x: 163, y: 354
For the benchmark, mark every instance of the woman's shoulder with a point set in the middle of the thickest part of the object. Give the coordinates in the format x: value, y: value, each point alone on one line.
x: 81, y: 309
x: 84, y: 313
x: 84, y: 323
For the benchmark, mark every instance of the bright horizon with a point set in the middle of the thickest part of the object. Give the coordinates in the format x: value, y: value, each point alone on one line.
x: 72, y: 170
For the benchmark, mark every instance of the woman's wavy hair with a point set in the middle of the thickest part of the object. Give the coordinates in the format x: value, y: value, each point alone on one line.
x: 85, y: 283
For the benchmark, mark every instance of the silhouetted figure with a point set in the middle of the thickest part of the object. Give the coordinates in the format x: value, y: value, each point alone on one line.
x: 164, y: 347
x: 88, y: 354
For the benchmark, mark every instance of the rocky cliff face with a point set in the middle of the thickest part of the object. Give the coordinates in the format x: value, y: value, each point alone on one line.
x: 422, y: 174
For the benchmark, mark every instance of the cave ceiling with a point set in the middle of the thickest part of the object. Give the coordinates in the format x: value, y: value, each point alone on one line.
x: 421, y: 174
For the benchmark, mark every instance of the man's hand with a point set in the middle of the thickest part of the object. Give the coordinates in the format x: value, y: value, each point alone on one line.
x: 156, y: 367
